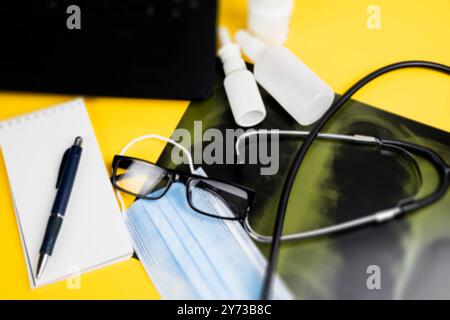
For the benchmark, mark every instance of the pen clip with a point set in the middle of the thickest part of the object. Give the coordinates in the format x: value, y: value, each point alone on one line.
x: 62, y: 168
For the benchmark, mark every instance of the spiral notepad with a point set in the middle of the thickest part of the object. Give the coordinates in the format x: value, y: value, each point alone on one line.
x: 93, y: 234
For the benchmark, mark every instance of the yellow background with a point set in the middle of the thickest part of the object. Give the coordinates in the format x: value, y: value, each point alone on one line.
x: 328, y: 35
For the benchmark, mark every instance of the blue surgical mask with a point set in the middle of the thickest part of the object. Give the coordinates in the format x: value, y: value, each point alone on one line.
x: 192, y: 256
x: 188, y: 255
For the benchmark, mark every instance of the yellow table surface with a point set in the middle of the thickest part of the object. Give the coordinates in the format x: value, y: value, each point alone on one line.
x: 330, y: 36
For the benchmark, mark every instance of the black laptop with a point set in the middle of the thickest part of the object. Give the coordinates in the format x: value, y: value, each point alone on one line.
x: 129, y: 48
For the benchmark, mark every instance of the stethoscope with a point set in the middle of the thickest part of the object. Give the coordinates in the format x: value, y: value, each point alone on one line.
x: 406, y: 148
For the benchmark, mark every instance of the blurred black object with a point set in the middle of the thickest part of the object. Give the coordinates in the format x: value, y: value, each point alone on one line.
x: 133, y: 48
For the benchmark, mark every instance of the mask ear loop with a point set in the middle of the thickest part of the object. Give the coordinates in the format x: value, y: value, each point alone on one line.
x: 156, y: 137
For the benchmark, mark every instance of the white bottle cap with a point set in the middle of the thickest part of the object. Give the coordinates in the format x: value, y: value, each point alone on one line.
x: 240, y: 85
x: 270, y: 20
x: 251, y: 46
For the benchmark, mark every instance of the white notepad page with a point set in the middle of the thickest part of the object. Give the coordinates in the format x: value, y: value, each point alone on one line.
x: 93, y: 233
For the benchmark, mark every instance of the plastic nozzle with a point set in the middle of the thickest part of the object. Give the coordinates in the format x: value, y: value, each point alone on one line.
x: 224, y: 37
x: 251, y: 46
x: 229, y: 52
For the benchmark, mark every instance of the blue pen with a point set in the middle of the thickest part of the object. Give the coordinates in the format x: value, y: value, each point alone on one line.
x: 64, y: 184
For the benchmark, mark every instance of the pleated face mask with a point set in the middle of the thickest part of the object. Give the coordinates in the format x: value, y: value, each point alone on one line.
x: 188, y: 255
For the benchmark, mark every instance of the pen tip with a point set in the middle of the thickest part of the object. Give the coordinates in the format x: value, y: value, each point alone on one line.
x: 78, y: 141
x: 43, y: 258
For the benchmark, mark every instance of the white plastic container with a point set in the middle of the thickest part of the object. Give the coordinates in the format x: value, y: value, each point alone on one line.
x: 240, y: 85
x: 269, y: 20
x: 288, y: 80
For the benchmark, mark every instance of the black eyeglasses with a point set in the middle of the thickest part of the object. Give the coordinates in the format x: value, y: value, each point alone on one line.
x: 149, y: 181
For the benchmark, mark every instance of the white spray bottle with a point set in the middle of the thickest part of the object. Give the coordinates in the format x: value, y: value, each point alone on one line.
x: 288, y: 80
x: 242, y: 91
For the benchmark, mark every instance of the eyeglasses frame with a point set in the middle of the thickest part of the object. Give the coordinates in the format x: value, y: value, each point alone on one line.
x: 175, y: 175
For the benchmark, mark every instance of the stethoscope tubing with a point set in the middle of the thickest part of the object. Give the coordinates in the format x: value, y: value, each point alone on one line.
x: 406, y: 149
x: 300, y: 156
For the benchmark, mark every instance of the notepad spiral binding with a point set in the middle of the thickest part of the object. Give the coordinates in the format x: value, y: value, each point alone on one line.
x: 37, y: 114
